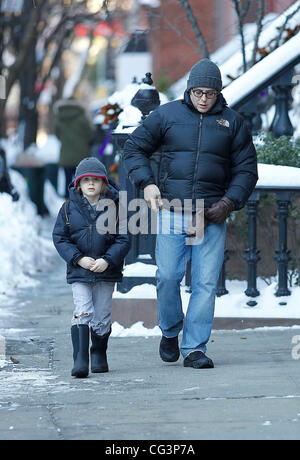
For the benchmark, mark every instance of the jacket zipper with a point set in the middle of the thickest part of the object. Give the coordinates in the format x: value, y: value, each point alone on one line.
x: 163, y: 182
x: 91, y: 226
x: 91, y: 246
x: 197, y: 157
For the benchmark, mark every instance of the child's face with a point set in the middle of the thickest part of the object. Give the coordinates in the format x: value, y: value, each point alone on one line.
x: 91, y: 187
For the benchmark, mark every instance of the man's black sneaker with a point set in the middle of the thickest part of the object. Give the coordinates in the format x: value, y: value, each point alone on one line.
x: 169, y: 349
x: 198, y: 360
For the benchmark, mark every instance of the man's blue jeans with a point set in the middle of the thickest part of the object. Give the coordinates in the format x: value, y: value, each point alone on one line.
x: 172, y: 255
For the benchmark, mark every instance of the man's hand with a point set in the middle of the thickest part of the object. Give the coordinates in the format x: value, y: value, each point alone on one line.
x: 86, y: 262
x: 152, y: 197
x: 99, y: 266
x: 219, y: 211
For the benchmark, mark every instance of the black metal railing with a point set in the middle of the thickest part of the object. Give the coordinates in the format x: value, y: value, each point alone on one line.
x: 276, y: 91
x: 252, y: 257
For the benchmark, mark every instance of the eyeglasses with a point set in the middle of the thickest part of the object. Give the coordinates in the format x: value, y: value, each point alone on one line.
x: 198, y: 93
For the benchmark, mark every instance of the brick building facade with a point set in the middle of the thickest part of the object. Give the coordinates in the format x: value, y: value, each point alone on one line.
x: 172, y: 42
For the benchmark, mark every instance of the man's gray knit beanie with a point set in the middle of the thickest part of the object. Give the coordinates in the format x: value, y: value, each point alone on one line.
x: 205, y: 74
x: 90, y: 166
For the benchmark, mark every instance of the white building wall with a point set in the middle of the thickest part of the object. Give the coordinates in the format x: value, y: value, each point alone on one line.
x: 130, y: 65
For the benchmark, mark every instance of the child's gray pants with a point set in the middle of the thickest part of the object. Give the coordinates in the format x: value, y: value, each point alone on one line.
x: 92, y: 303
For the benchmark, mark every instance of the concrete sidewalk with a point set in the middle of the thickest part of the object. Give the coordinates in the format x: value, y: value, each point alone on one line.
x: 253, y: 392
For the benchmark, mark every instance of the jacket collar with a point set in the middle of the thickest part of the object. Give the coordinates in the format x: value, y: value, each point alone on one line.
x: 217, y: 108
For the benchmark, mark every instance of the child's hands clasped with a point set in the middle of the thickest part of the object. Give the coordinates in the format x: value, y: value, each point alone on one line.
x: 97, y: 266
x: 86, y: 262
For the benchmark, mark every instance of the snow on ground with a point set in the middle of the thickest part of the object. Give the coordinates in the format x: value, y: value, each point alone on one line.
x: 136, y: 330
x: 24, y: 252
x: 139, y: 330
x: 230, y: 305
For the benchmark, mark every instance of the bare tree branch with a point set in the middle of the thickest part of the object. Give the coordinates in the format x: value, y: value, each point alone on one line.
x: 174, y: 29
x: 105, y: 5
x: 241, y: 12
x: 284, y: 25
x: 27, y: 42
x: 259, y: 26
x: 195, y: 26
x: 14, y: 70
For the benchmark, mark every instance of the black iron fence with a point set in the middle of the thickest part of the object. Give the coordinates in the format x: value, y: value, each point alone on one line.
x: 252, y: 253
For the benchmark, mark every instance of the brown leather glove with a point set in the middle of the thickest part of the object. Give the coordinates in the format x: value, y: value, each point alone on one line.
x: 219, y: 211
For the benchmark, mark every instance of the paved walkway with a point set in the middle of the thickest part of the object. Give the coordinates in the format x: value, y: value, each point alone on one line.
x: 253, y: 392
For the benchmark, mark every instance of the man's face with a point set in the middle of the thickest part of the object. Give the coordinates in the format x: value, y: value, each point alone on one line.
x: 203, y: 99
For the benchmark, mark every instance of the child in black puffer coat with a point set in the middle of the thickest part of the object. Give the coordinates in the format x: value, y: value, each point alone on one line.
x: 94, y: 260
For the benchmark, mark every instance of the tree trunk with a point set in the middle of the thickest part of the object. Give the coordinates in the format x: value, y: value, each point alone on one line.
x: 195, y: 26
x: 28, y: 116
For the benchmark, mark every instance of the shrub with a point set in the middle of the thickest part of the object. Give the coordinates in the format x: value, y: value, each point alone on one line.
x: 284, y: 150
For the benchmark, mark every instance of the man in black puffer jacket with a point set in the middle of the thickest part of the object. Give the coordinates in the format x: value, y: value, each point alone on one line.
x: 207, y: 154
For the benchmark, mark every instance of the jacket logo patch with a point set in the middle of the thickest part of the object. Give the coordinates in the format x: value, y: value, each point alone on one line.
x: 223, y: 122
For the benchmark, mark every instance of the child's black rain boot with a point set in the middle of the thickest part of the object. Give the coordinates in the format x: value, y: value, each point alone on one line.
x: 80, y: 340
x: 98, y: 352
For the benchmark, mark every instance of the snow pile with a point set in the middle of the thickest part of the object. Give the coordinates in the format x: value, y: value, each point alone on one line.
x: 233, y: 305
x: 278, y: 176
x: 23, y: 251
x: 139, y: 330
x: 136, y: 330
x: 131, y: 116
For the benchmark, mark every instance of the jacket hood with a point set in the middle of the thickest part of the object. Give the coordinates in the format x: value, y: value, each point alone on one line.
x: 67, y: 113
x: 69, y: 108
x: 218, y: 107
